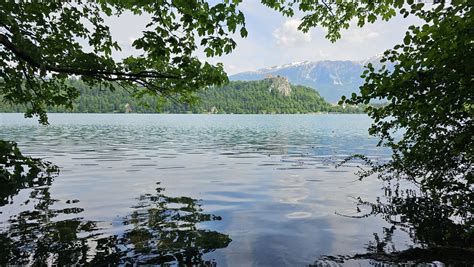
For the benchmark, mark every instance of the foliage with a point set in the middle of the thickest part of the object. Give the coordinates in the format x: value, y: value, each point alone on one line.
x: 43, y: 44
x: 257, y: 97
x: 338, y: 15
x: 235, y: 97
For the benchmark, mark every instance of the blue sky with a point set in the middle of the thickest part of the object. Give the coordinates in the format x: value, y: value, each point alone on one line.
x: 274, y: 40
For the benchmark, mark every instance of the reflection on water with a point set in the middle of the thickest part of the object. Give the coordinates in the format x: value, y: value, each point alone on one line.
x: 160, y: 229
x: 270, y: 179
x: 442, y: 232
x: 18, y: 171
x: 439, y: 240
x: 165, y: 230
x: 34, y: 237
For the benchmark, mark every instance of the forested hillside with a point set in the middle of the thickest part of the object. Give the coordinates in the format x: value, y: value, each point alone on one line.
x: 239, y: 97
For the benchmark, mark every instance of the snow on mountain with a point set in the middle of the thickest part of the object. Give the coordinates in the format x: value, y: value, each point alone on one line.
x: 331, y: 78
x: 294, y: 64
x: 374, y: 59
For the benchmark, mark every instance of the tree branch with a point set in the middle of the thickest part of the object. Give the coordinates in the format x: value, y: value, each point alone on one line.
x: 23, y: 55
x: 329, y: 8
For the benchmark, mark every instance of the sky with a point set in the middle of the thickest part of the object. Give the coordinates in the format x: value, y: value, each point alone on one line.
x: 274, y: 39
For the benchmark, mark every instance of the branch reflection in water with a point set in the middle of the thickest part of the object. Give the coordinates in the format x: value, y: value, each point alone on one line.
x: 440, y: 230
x: 161, y: 229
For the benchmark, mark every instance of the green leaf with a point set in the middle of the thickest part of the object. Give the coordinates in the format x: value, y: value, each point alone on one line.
x: 407, y: 40
x: 243, y: 32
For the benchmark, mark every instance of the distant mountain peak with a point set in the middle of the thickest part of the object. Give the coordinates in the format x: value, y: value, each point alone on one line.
x: 332, y: 78
x: 276, y: 67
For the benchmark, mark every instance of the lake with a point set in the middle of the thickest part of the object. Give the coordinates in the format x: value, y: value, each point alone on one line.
x: 237, y: 190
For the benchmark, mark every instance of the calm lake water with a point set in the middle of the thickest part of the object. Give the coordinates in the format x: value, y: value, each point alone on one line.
x: 242, y: 190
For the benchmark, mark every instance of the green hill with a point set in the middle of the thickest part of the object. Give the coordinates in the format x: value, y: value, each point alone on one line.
x: 272, y: 95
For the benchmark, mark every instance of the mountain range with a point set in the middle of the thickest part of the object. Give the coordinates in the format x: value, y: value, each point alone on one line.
x: 331, y: 78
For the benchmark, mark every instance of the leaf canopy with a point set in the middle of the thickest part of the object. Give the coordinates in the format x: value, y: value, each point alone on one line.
x: 43, y: 44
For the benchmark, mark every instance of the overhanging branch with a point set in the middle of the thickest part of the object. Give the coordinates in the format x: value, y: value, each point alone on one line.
x: 119, y: 75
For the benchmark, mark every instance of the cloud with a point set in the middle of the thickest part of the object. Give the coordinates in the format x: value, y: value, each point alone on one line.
x: 372, y: 35
x: 366, y: 34
x: 289, y: 35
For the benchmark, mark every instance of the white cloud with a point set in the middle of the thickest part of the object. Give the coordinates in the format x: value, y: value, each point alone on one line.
x: 372, y: 35
x: 289, y: 35
x: 365, y: 34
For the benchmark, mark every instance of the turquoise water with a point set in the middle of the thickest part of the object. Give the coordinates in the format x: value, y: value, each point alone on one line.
x: 269, y: 181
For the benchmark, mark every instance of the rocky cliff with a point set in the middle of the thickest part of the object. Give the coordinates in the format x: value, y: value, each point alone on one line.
x: 279, y: 84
